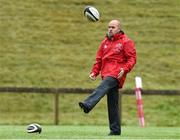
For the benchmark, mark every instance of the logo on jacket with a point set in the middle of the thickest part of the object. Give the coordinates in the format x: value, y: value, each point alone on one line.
x: 105, y: 46
x: 118, y: 48
x: 119, y: 45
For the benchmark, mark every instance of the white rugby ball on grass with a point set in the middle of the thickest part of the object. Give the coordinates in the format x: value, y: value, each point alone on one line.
x: 91, y: 13
x: 34, y: 128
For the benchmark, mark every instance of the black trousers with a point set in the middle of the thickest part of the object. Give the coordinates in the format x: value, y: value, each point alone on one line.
x: 109, y: 87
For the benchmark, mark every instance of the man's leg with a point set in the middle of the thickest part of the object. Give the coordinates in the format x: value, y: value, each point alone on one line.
x: 107, y: 84
x: 113, y: 111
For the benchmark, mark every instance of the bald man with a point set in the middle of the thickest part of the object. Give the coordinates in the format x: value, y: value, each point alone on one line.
x: 115, y: 57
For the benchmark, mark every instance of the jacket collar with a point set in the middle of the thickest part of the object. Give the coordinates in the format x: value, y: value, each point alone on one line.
x: 117, y: 36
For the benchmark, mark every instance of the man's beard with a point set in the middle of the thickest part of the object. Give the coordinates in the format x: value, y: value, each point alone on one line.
x: 110, y: 35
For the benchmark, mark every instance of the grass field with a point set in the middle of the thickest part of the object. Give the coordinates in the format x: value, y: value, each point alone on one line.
x: 48, y: 43
x: 89, y: 132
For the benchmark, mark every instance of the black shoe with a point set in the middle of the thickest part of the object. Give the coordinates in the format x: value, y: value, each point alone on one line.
x: 114, y: 133
x: 84, y: 107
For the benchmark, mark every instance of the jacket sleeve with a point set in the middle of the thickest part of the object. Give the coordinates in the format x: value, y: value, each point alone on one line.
x: 97, y: 65
x: 130, y: 53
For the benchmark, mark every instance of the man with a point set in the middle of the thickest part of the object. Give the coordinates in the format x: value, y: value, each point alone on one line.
x: 114, y: 59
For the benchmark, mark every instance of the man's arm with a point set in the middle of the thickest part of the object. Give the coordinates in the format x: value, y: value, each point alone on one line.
x: 97, y: 65
x: 130, y: 53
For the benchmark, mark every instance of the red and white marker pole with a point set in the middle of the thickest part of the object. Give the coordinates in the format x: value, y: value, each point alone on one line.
x: 139, y: 101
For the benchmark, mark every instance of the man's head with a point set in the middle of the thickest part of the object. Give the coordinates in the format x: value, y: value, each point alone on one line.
x: 114, y: 27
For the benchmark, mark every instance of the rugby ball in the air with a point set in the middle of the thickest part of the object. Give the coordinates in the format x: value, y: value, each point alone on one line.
x: 91, y: 13
x: 34, y: 128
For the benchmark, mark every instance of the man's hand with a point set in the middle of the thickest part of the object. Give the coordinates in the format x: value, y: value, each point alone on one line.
x: 121, y: 73
x: 92, y: 76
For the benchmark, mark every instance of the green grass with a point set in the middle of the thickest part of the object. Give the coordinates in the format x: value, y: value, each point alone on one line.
x: 27, y: 108
x: 88, y: 132
x: 48, y: 43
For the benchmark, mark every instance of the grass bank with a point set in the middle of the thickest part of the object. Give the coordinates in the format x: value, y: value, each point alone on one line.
x: 27, y: 108
x: 48, y: 43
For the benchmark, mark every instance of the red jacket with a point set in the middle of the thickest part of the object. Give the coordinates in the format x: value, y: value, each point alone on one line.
x: 119, y: 52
